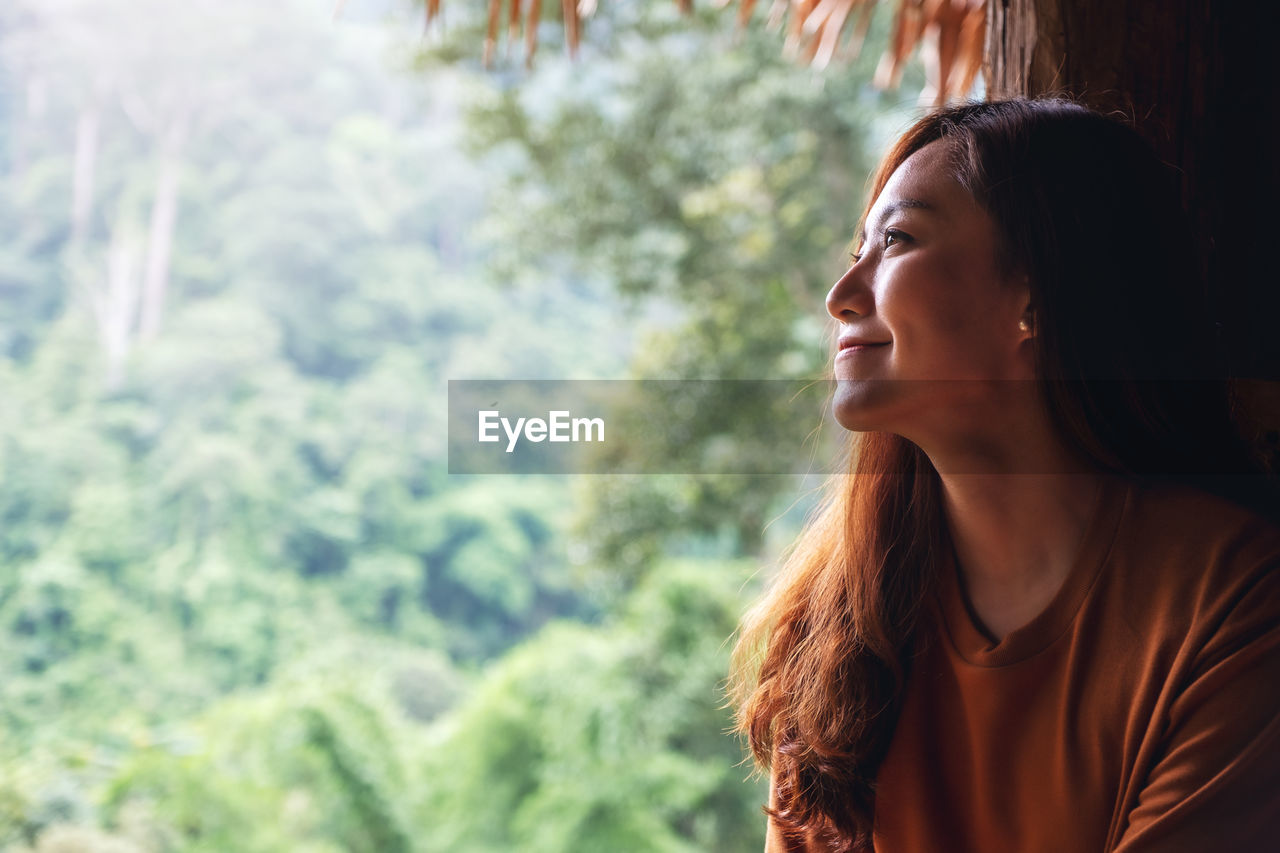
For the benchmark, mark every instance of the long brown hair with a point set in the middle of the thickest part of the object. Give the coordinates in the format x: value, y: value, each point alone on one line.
x: 1092, y: 218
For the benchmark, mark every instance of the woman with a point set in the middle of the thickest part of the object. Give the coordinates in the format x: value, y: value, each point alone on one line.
x: 1043, y: 612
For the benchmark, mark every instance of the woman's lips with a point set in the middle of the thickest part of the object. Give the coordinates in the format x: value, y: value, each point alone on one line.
x: 848, y: 349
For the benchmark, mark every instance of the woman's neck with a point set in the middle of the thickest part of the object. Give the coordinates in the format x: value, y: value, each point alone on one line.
x: 1017, y: 505
x: 1016, y: 538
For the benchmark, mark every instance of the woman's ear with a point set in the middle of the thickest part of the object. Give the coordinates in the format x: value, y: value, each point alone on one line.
x: 1027, y: 322
x: 1026, y: 345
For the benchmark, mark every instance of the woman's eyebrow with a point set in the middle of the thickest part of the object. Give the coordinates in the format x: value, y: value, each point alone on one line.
x: 896, y: 206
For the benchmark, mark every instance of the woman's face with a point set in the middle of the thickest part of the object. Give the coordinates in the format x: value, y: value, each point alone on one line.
x: 927, y: 321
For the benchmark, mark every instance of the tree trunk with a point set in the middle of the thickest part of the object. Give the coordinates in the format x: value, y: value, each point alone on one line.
x: 115, y: 305
x: 85, y: 158
x: 164, y: 212
x: 1199, y: 79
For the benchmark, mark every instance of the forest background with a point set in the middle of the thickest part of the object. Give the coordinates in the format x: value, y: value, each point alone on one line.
x: 243, y: 605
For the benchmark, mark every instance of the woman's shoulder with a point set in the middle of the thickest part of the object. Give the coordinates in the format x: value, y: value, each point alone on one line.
x: 1215, y: 549
x: 1210, y: 648
x: 1183, y: 514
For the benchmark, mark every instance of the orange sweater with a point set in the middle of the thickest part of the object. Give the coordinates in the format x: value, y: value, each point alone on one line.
x: 1139, y: 712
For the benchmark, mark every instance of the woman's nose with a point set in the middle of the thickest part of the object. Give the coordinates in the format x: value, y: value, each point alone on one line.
x: 851, y: 295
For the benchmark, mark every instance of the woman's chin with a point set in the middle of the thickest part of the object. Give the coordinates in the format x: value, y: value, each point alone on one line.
x: 859, y: 405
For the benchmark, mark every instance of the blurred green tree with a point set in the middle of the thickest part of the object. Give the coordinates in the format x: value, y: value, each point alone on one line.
x: 722, y: 183
x: 609, y: 738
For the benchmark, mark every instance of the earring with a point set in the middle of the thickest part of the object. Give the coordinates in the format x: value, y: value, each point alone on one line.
x: 1024, y: 325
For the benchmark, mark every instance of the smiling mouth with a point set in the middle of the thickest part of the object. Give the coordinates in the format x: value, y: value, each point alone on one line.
x: 859, y: 347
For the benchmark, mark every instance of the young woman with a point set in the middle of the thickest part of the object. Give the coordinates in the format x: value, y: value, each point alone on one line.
x: 1042, y: 610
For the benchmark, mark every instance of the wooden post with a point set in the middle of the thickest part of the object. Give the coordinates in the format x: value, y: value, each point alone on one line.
x: 1199, y: 79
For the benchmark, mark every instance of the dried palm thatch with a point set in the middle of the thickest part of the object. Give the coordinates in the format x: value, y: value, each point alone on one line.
x: 952, y: 35
x: 949, y: 33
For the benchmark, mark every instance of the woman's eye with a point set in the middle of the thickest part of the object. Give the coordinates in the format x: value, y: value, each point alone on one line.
x: 893, y: 235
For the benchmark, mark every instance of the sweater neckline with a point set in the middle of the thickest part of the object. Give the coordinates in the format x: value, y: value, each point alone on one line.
x: 974, y: 646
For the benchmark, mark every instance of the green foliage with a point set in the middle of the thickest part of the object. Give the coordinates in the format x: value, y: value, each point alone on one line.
x: 725, y: 183
x: 243, y: 606
x: 186, y: 515
x: 289, y: 769
x: 609, y: 738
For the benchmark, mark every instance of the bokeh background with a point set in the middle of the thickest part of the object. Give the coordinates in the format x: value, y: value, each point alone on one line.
x: 243, y: 605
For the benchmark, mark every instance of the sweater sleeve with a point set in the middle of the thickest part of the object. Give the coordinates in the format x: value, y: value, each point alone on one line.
x: 1216, y: 783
